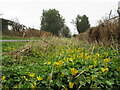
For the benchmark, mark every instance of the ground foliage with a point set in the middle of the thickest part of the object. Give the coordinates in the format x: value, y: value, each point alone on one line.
x: 63, y: 64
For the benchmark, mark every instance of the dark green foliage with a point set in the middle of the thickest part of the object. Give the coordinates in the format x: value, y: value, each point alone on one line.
x: 65, y: 32
x: 82, y: 23
x: 52, y: 21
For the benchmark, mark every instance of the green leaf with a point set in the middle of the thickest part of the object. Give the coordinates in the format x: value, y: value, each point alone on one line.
x: 110, y: 82
x: 116, y: 73
x: 88, y: 80
x: 110, y: 74
x: 58, y: 83
x: 83, y: 83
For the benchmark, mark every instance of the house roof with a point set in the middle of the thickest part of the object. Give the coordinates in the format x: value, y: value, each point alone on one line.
x: 11, y: 18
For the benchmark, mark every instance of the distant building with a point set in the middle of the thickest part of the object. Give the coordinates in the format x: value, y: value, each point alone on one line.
x: 3, y: 24
x: 10, y: 25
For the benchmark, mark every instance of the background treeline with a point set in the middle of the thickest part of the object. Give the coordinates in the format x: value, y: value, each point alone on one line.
x: 52, y: 21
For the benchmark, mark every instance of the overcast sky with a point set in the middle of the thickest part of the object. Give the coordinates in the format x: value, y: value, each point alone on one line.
x: 29, y: 12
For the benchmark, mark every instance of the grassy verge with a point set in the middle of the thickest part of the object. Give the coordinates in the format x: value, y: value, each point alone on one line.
x: 19, y: 38
x: 60, y: 64
x: 11, y: 46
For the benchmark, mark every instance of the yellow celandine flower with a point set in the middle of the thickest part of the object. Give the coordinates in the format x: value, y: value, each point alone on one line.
x: 104, y: 69
x: 32, y: 74
x: 61, y: 63
x: 71, y: 59
x: 106, y: 60
x: 64, y: 87
x: 74, y: 71
x: 95, y: 63
x: 97, y: 54
x: 48, y: 63
x: 87, y: 57
x: 3, y: 78
x: 71, y: 84
x: 93, y: 78
x: 33, y: 87
x: 56, y: 64
x: 91, y: 66
x: 24, y: 78
x: 81, y: 55
x: 86, y: 54
x: 39, y: 78
x: 62, y: 74
x: 34, y: 83
x: 106, y: 53
x: 72, y: 51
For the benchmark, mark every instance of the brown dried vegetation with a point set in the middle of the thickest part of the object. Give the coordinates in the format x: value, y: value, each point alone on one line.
x: 106, y: 33
x: 36, y: 33
x: 28, y: 33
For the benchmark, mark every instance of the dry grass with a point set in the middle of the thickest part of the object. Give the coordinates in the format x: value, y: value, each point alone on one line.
x: 28, y: 33
x: 106, y: 33
x: 36, y: 33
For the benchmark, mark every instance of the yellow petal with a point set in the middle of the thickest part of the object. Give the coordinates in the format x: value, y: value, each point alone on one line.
x: 48, y: 63
x: 34, y: 83
x: 71, y: 84
x: 3, y: 77
x: 74, y: 71
x: 32, y: 74
x: 39, y: 78
x: 90, y: 66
